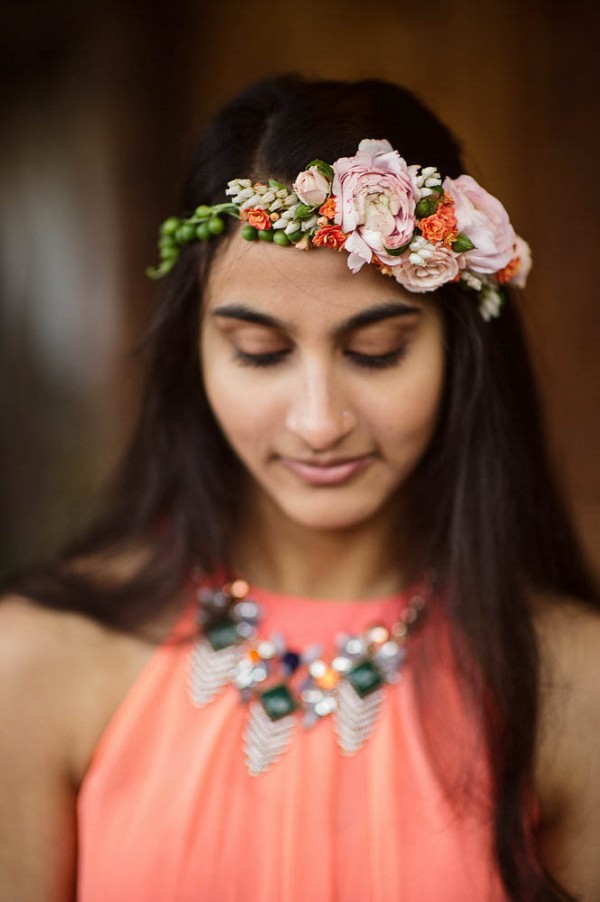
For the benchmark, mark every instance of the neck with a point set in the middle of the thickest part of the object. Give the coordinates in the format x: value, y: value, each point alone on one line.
x: 283, y: 556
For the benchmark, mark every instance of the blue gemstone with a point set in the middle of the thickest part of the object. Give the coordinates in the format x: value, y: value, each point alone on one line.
x: 291, y: 661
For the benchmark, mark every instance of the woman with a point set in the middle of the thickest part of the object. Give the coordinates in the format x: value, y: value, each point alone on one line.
x: 359, y: 455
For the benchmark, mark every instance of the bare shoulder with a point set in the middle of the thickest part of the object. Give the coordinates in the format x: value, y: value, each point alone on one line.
x: 62, y: 676
x: 568, y: 763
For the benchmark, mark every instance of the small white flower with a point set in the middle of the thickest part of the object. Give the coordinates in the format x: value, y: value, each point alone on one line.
x: 245, y: 193
x: 421, y: 251
x: 490, y: 302
x: 291, y: 227
x: 472, y: 280
x: 308, y: 224
x: 280, y: 223
x: 276, y: 205
x: 268, y: 197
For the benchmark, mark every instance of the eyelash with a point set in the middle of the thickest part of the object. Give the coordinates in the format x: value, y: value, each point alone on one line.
x: 367, y: 361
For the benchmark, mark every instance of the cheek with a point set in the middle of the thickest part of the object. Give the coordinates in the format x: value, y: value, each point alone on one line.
x: 245, y: 411
x: 407, y: 413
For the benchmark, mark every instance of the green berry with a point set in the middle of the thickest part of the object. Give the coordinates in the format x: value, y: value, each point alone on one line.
x: 170, y: 225
x: 296, y: 236
x: 249, y: 233
x: 166, y: 241
x: 169, y: 253
x: 265, y: 234
x: 281, y: 238
x: 203, y: 212
x: 216, y: 225
x: 185, y: 233
x: 203, y: 231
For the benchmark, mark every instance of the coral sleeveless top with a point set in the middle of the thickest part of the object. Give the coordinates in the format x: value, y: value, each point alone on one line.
x: 169, y: 813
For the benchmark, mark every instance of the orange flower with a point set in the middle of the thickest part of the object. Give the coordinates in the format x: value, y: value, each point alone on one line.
x: 509, y: 272
x: 329, y: 236
x: 441, y: 225
x: 260, y: 219
x: 383, y: 268
x: 328, y: 208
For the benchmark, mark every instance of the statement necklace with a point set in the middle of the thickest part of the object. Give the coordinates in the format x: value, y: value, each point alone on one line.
x: 283, y: 686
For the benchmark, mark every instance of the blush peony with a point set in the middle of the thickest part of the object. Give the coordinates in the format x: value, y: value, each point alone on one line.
x: 375, y: 196
x: 483, y: 219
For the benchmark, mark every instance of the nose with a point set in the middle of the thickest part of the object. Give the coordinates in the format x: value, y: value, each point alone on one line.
x: 318, y: 412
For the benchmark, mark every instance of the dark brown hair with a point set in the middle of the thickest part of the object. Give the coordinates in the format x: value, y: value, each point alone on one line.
x: 492, y: 521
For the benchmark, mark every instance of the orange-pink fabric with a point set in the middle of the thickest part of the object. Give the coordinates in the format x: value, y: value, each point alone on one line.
x: 168, y: 811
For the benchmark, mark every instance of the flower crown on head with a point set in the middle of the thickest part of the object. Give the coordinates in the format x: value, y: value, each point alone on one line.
x: 405, y: 220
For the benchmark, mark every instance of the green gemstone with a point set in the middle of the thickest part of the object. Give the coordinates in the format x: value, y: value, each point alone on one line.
x: 222, y: 634
x: 278, y: 702
x: 364, y: 678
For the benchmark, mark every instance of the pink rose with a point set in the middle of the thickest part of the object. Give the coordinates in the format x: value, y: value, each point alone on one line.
x: 312, y: 187
x: 426, y: 267
x: 375, y: 202
x: 483, y: 219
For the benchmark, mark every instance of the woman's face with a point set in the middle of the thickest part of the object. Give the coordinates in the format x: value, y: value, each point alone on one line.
x: 326, y: 384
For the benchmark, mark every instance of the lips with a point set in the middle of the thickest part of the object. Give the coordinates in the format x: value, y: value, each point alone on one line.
x: 327, y: 472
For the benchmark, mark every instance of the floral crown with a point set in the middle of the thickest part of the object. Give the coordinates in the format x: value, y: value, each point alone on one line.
x: 405, y: 220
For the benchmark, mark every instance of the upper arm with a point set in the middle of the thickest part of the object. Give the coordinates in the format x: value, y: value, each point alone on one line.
x: 37, y: 797
x: 568, y: 764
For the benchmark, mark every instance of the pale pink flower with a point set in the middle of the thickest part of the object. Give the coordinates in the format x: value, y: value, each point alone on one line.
x: 312, y: 187
x: 426, y: 267
x: 375, y: 197
x: 483, y: 219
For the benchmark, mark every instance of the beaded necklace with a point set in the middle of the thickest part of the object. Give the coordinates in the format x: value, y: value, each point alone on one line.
x: 282, y: 686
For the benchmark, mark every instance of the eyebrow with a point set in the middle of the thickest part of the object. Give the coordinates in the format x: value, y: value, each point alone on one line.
x: 364, y: 318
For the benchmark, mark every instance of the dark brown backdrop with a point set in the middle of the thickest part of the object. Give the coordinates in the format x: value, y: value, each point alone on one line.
x: 103, y: 103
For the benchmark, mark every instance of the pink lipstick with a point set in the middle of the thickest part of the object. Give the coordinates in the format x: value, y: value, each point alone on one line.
x: 334, y: 472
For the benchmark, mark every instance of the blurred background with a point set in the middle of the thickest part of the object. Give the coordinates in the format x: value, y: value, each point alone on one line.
x: 102, y: 101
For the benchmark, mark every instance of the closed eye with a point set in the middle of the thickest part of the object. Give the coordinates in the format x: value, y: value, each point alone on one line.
x: 377, y: 361
x: 368, y: 361
x: 269, y: 359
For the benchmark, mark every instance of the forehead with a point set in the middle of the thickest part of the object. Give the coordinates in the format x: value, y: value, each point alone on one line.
x: 293, y: 284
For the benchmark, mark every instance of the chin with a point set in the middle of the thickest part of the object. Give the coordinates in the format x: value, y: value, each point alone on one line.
x: 330, y: 515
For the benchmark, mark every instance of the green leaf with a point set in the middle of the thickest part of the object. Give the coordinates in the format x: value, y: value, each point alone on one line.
x: 426, y: 207
x: 304, y: 211
x: 462, y: 244
x: 323, y: 167
x: 397, y: 251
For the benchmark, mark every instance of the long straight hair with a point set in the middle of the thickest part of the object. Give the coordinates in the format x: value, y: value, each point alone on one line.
x: 492, y: 522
